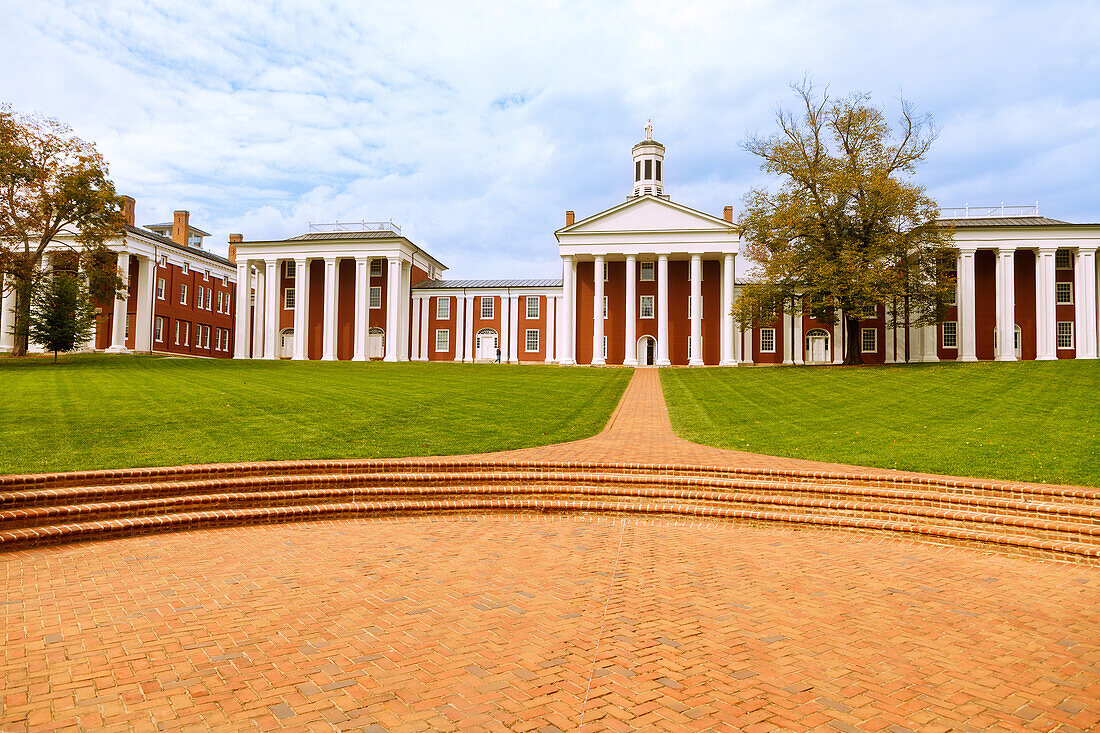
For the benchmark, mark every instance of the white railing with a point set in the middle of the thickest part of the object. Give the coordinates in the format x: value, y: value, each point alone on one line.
x: 356, y: 226
x: 986, y: 212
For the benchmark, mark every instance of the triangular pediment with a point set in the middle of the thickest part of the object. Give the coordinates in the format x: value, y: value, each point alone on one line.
x: 648, y: 214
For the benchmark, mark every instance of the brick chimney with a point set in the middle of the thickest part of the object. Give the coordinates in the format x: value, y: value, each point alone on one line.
x: 128, y: 204
x: 181, y: 228
x: 234, y: 239
x: 727, y: 214
x: 569, y: 218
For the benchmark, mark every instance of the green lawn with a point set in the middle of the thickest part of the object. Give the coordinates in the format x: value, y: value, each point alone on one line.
x: 121, y: 411
x: 1028, y: 421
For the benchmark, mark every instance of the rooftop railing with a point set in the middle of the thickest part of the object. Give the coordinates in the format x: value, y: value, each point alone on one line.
x: 987, y: 212
x: 355, y: 226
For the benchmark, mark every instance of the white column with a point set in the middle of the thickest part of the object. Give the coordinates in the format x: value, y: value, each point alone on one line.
x: 359, y: 320
x: 459, y: 334
x: 968, y: 333
x: 301, y: 309
x: 565, y: 340
x: 7, y: 317
x: 424, y: 314
x: 916, y: 344
x: 1006, y: 306
x: 242, y: 321
x: 513, y: 319
x: 468, y: 332
x: 328, y: 326
x: 838, y: 338
x: 551, y: 308
x: 1084, y: 300
x: 787, y: 331
x: 696, y: 275
x: 662, y: 311
x: 118, y: 322
x: 889, y: 333
x: 931, y: 344
x: 271, y: 309
x: 393, y: 288
x: 505, y: 338
x: 631, y: 330
x: 414, y: 329
x: 798, y: 346
x: 729, y: 355
x: 403, y: 313
x: 143, y: 325
x: 1045, y: 314
x: 258, y: 319
x: 597, y: 311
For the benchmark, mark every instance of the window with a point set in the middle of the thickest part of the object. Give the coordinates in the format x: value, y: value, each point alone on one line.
x: 217, y: 339
x: 1063, y: 259
x: 210, y: 299
x: 605, y: 348
x: 376, y: 296
x: 658, y: 164
x: 199, y: 300
x: 953, y: 296
x: 225, y: 282
x: 127, y: 333
x: 160, y: 288
x: 532, y: 306
x: 220, y: 295
x: 206, y: 274
x: 1065, y: 334
x: 637, y: 170
x: 186, y: 333
x: 186, y: 269
x: 288, y: 299
x: 645, y: 309
x: 442, y: 340
x: 158, y: 329
x: 531, y: 339
x: 227, y: 296
x: 868, y: 340
x: 486, y: 307
x: 605, y: 264
x: 206, y: 337
x: 767, y: 340
x: 288, y: 269
x: 646, y: 272
x: 183, y: 294
x: 1063, y: 293
x: 163, y: 260
x: 605, y: 307
x: 177, y: 333
x: 950, y: 335
x: 443, y: 307
x: 375, y: 268
x: 649, y: 169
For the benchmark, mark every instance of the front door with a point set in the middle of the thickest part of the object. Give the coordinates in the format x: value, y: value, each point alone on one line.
x: 286, y: 344
x: 647, y: 351
x: 487, y: 347
x: 376, y: 344
x: 819, y: 349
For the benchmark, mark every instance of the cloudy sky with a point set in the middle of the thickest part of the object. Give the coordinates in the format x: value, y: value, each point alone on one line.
x: 476, y: 125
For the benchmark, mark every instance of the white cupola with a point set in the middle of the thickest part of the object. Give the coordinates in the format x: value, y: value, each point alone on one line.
x: 649, y: 156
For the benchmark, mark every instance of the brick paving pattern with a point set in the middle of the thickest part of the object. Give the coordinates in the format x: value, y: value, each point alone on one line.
x: 505, y: 622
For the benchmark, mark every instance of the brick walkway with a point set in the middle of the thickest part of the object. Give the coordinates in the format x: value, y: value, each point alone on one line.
x: 545, y: 624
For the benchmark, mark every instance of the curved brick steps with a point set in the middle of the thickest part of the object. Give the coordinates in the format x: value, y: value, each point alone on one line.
x: 1055, y: 521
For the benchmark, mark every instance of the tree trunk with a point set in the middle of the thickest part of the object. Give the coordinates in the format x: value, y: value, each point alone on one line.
x: 22, y: 312
x: 852, y: 354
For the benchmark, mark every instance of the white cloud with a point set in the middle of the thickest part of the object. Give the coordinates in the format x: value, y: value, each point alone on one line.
x: 476, y: 126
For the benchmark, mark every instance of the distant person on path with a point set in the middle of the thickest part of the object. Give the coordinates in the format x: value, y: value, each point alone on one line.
x: 498, y: 355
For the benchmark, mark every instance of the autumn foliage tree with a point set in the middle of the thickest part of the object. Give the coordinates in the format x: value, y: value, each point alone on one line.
x: 52, y: 183
x: 847, y: 230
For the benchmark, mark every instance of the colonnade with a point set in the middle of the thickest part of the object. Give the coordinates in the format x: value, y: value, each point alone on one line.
x: 258, y: 338
x: 464, y: 334
x: 568, y: 327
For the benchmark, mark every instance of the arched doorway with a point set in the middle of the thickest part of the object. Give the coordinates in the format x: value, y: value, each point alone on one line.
x: 817, y: 346
x: 286, y: 343
x: 376, y: 343
x: 486, y: 347
x: 1017, y: 342
x: 647, y: 351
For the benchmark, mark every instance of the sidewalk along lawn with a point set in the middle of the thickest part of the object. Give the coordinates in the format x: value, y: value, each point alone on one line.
x: 99, y: 411
x: 1027, y: 421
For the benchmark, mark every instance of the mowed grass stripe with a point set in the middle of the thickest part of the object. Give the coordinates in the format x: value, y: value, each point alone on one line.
x: 1026, y: 421
x: 126, y: 411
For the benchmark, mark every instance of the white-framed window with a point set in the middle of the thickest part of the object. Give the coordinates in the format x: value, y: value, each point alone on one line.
x: 288, y: 299
x: 177, y: 333
x: 953, y: 296
x: 210, y: 299
x: 186, y: 333
x: 162, y: 261
x: 158, y: 329
x: 767, y: 340
x: 183, y: 294
x: 227, y: 298
x: 605, y: 307
x: 442, y: 339
x: 160, y: 288
x: 1063, y: 259
x: 443, y: 307
x: 206, y: 274
x: 288, y: 269
x: 220, y: 296
x: 375, y: 268
x: 225, y: 281
x: 645, y: 272
x: 376, y: 296
x: 1065, y: 334
x: 126, y: 333
x: 868, y: 340
x: 605, y: 270
x: 605, y: 348
x: 531, y: 339
x: 217, y: 339
x: 950, y: 335
x: 645, y: 306
x: 532, y: 306
x: 199, y: 300
x: 206, y: 337
x: 186, y: 268
x: 1063, y: 293
x: 486, y: 306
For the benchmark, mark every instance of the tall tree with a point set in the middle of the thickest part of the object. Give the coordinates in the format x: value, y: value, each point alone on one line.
x: 52, y: 183
x: 847, y: 230
x: 62, y: 314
